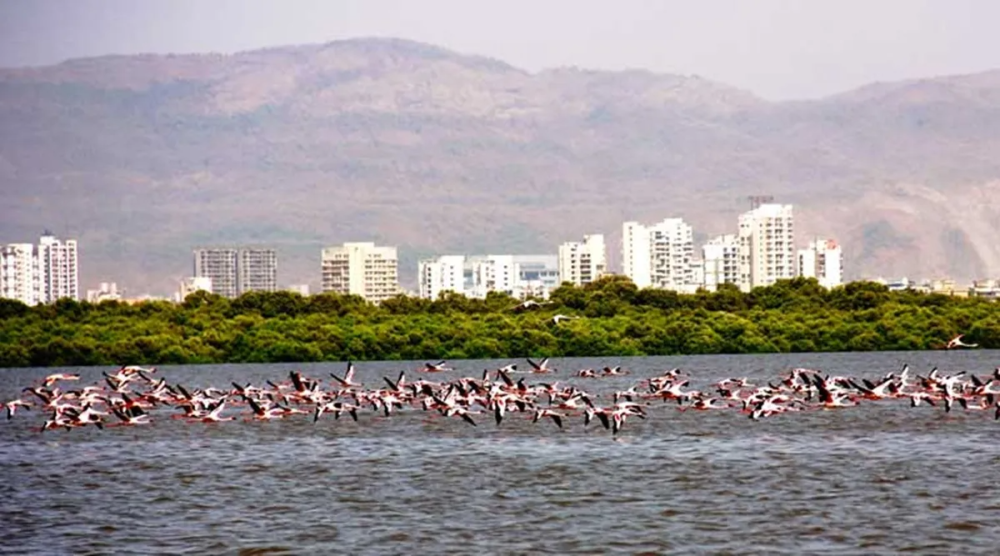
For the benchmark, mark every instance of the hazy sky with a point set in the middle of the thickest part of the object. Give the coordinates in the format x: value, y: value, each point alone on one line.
x: 778, y: 49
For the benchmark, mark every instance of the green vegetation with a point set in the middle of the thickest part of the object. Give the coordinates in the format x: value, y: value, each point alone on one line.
x: 618, y: 319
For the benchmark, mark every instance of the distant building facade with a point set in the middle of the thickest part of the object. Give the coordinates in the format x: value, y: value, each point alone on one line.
x: 767, y: 246
x: 106, y: 291
x: 58, y: 269
x: 445, y: 273
x: 19, y: 278
x: 235, y: 271
x: 582, y: 262
x: 661, y: 255
x: 475, y: 276
x: 536, y: 275
x: 219, y: 266
x: 361, y: 268
x: 492, y: 273
x: 41, y: 273
x: 193, y: 284
x: 301, y: 289
x: 721, y: 261
x: 822, y: 259
x: 257, y: 271
x: 636, y: 255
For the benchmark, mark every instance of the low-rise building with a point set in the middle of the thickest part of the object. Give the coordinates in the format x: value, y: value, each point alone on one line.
x: 193, y: 284
x: 106, y: 291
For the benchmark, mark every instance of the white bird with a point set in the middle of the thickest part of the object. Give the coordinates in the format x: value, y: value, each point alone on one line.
x: 559, y: 318
x: 438, y: 367
x: 957, y: 342
x: 348, y: 380
x: 541, y: 366
x: 529, y: 304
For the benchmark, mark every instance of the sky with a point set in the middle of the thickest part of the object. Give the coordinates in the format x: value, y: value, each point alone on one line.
x: 778, y: 49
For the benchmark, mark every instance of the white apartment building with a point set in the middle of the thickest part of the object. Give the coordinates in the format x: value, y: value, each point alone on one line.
x: 257, y: 271
x: 40, y: 273
x: 661, y: 255
x: 58, y: 269
x: 536, y: 276
x: 106, y: 291
x: 721, y: 261
x: 582, y: 262
x: 361, y: 268
x: 696, y: 277
x: 234, y: 271
x: 499, y: 273
x: 767, y: 246
x: 636, y: 255
x: 193, y: 284
x: 19, y: 278
x: 822, y: 260
x: 445, y: 273
x: 301, y: 289
x: 475, y: 276
x: 220, y: 266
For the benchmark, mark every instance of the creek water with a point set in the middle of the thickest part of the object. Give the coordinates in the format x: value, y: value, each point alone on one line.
x: 880, y: 478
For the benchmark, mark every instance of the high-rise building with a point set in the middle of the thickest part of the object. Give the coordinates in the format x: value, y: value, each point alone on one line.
x: 672, y: 246
x: 221, y: 266
x: 721, y: 261
x: 257, y: 271
x: 40, y: 274
x: 822, y: 260
x: 636, y: 254
x: 661, y: 255
x: 445, y: 273
x: 19, y: 278
x: 767, y: 246
x: 361, y: 268
x: 58, y: 269
x: 234, y: 272
x: 582, y: 262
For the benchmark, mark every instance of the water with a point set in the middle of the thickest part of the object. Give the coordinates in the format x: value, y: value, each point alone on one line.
x: 878, y: 479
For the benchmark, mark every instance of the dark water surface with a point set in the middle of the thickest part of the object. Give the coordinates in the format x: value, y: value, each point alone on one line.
x: 882, y: 478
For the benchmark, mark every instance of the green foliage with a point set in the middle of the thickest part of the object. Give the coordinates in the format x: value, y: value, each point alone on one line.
x: 618, y: 319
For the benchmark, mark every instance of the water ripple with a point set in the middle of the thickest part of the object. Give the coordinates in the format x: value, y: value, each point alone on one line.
x: 881, y: 479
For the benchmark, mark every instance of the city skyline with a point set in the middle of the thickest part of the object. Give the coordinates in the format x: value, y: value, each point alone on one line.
x: 226, y: 156
x: 724, y: 259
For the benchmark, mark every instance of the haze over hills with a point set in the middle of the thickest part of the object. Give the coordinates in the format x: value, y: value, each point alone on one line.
x: 143, y: 158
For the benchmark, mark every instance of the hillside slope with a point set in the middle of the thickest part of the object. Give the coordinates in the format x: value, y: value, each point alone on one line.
x: 143, y: 158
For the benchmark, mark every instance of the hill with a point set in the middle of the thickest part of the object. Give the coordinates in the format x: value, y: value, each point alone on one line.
x: 143, y: 158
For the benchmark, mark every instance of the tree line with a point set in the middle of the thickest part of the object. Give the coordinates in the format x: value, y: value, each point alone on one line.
x: 614, y: 318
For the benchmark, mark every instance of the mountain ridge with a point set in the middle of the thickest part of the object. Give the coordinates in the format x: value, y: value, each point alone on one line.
x: 143, y: 158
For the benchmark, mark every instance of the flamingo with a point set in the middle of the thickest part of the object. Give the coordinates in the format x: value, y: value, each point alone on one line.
x: 957, y: 342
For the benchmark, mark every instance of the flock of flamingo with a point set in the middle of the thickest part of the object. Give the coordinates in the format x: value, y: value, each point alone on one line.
x: 131, y: 396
